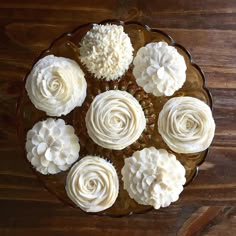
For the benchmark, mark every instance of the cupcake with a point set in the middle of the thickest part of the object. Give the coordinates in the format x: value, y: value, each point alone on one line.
x: 115, y: 120
x: 106, y: 51
x: 159, y: 69
x: 52, y: 146
x: 186, y: 125
x: 92, y: 184
x: 153, y: 177
x: 56, y: 85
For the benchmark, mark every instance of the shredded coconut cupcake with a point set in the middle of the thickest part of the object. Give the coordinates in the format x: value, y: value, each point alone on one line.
x: 159, y: 69
x: 106, y: 51
x: 115, y: 119
x: 56, y: 85
x: 186, y: 125
x: 92, y: 184
x: 153, y: 177
x: 52, y: 146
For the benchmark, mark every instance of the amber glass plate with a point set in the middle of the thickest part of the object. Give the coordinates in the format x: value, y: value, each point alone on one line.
x: 67, y: 46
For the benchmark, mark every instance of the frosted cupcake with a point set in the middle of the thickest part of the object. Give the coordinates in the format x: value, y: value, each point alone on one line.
x: 56, y: 85
x: 92, y: 184
x: 52, y: 146
x: 159, y: 69
x: 186, y: 125
x: 106, y: 51
x: 153, y: 177
x: 115, y: 119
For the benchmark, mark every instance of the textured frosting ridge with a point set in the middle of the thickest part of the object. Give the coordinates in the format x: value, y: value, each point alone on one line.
x: 56, y: 85
x: 106, y: 50
x: 186, y: 125
x: 52, y: 146
x: 92, y: 184
x: 153, y: 177
x: 159, y: 69
x: 115, y: 119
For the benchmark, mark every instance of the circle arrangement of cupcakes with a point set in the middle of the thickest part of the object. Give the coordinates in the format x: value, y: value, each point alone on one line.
x: 115, y: 120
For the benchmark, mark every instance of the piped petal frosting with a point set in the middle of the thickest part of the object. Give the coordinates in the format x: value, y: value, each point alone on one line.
x: 47, y: 156
x: 153, y: 177
x: 159, y: 69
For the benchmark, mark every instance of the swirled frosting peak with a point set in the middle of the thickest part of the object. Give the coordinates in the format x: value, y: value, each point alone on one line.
x: 115, y: 119
x: 186, y: 125
x: 52, y: 146
x: 92, y: 184
x: 159, y: 69
x: 56, y: 85
x: 106, y: 51
x: 153, y: 177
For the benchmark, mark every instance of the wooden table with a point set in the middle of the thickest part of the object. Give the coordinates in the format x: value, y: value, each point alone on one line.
x: 207, y: 28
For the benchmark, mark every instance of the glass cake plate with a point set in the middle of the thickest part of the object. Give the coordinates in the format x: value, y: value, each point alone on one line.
x: 140, y: 35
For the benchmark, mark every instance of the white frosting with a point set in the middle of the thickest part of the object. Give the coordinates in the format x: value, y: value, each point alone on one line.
x: 52, y: 146
x: 115, y: 119
x: 56, y: 85
x: 106, y: 51
x: 186, y: 125
x: 153, y: 177
x: 92, y: 184
x: 159, y: 69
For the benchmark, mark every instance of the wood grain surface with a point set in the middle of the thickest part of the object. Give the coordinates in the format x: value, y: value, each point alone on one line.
x: 207, y: 28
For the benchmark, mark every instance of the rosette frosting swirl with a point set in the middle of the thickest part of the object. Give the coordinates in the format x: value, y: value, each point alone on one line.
x: 115, y: 119
x: 106, y: 50
x: 56, y: 85
x: 186, y: 125
x: 52, y: 146
x: 159, y: 69
x: 153, y: 177
x: 92, y: 184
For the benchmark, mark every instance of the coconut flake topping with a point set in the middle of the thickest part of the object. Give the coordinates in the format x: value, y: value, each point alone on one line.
x: 106, y: 51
